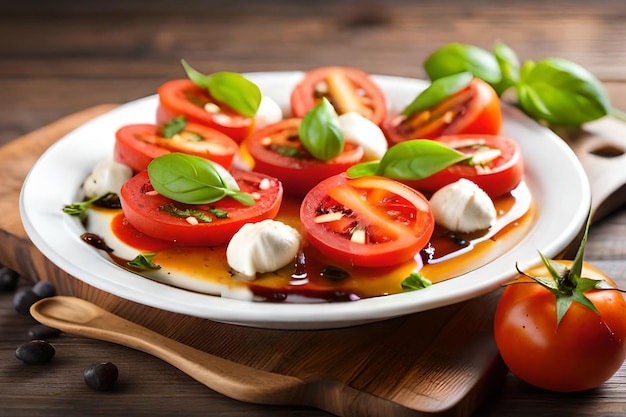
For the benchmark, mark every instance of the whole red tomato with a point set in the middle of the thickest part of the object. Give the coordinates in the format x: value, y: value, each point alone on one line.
x: 581, y: 352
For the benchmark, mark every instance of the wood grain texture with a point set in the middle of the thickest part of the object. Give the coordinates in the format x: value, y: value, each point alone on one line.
x: 76, y: 56
x: 313, y: 368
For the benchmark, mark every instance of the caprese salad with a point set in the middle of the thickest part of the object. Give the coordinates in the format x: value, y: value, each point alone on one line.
x: 333, y: 199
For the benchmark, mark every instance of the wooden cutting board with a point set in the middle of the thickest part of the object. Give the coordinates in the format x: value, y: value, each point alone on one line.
x: 438, y: 362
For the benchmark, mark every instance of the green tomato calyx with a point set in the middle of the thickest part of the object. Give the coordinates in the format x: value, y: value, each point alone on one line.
x: 567, y: 284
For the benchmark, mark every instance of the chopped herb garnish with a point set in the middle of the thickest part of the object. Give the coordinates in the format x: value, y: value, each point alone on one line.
x: 76, y: 209
x: 176, y: 212
x: 220, y: 214
x: 173, y: 126
x: 194, y: 137
x: 415, y: 281
x: 144, y: 261
x: 289, y: 151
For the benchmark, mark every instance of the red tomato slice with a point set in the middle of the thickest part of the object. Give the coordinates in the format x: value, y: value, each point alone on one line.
x: 367, y: 221
x: 496, y: 177
x: 271, y: 146
x: 348, y: 89
x: 184, y: 97
x: 144, y: 210
x: 138, y: 144
x: 474, y: 109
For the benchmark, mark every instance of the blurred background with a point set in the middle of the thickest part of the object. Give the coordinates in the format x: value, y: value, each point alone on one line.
x: 59, y: 57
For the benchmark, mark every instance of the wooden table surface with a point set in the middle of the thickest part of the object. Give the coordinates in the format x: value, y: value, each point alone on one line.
x: 60, y: 57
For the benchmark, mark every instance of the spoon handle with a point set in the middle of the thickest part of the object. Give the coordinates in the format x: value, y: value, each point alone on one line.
x: 228, y: 378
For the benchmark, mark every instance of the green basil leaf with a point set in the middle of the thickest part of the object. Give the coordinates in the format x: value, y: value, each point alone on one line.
x: 230, y: 88
x: 417, y: 159
x: 320, y: 132
x: 561, y: 92
x: 438, y: 90
x: 456, y: 57
x: 364, y: 169
x: 197, y: 77
x: 235, y: 90
x: 191, y: 179
x: 509, y: 65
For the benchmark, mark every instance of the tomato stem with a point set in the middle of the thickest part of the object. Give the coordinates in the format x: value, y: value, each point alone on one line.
x: 566, y: 284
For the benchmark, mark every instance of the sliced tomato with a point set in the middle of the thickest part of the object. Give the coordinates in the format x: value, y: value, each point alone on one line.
x: 277, y: 151
x: 138, y: 144
x: 348, y: 89
x: 184, y: 97
x: 496, y: 176
x: 473, y: 109
x: 151, y: 213
x: 367, y: 221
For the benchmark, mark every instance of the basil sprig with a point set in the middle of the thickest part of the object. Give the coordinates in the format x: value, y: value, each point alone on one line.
x: 192, y: 179
x: 230, y: 88
x: 320, y: 132
x: 437, y: 91
x: 561, y: 92
x: 454, y: 58
x: 553, y: 90
x: 410, y: 160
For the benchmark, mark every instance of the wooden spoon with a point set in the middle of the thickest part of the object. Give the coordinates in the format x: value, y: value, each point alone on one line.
x: 77, y: 316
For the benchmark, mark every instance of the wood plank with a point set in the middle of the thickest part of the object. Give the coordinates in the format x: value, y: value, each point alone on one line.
x: 55, y: 61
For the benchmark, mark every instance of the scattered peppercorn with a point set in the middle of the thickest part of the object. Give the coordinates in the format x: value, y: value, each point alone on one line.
x: 41, y: 331
x: 23, y: 299
x: 35, y: 351
x: 101, y: 376
x: 8, y: 279
x: 44, y: 289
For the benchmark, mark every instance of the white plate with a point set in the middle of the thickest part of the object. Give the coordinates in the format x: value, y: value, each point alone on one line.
x: 554, y: 175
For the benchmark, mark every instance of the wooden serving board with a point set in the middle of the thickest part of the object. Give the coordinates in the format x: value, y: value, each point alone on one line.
x: 438, y: 362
